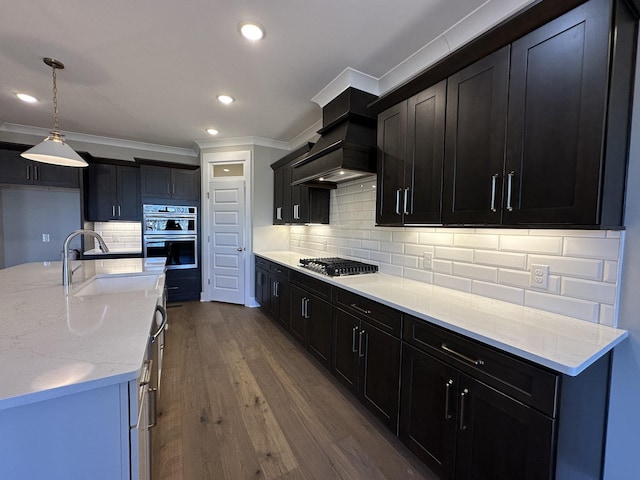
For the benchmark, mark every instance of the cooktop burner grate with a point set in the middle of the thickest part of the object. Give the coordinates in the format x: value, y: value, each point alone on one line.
x: 335, y: 266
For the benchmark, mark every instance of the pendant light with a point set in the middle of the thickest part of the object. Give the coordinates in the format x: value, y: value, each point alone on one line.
x: 53, y: 149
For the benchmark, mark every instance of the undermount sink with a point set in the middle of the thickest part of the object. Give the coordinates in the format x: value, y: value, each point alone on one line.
x: 118, y: 284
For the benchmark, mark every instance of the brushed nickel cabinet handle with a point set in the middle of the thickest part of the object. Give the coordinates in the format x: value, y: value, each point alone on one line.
x: 463, y: 402
x: 354, y: 349
x: 398, y: 201
x: 360, y: 309
x: 145, y: 379
x: 306, y: 307
x: 28, y: 172
x: 447, y: 399
x: 113, y: 210
x: 153, y: 401
x: 494, y: 179
x: 477, y: 362
x: 160, y: 309
x: 36, y: 170
x: 360, y: 352
x: 278, y: 213
x: 406, y: 201
x: 509, y: 188
x: 119, y: 211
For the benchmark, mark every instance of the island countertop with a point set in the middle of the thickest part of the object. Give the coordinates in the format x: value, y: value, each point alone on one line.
x: 53, y: 343
x: 564, y: 344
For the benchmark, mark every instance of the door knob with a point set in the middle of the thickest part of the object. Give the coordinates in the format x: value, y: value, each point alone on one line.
x: 240, y: 249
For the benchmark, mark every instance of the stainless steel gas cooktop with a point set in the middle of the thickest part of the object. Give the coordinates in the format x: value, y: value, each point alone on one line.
x: 335, y: 266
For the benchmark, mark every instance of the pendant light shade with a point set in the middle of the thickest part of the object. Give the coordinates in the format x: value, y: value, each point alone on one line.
x: 53, y: 149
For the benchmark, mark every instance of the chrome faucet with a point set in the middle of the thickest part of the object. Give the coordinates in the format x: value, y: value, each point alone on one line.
x: 67, y: 273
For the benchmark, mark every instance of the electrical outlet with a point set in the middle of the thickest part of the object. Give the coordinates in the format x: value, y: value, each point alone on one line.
x: 428, y: 261
x: 45, y: 237
x: 540, y: 276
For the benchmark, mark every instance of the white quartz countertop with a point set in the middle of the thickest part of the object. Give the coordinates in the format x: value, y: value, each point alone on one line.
x: 114, y: 251
x: 53, y: 344
x: 564, y: 344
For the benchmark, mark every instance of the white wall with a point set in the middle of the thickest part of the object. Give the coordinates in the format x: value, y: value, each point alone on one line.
x: 27, y: 213
x: 623, y: 441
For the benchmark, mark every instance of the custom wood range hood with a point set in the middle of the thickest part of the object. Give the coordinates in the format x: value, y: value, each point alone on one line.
x: 347, y: 147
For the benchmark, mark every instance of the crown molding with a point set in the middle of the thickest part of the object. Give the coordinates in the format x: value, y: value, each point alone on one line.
x: 98, y: 140
x: 238, y: 141
x: 349, y: 77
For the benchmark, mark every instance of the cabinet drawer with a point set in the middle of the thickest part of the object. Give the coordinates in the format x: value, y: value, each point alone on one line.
x: 526, y: 382
x: 261, y: 262
x: 385, y: 318
x: 313, y: 285
x: 279, y: 270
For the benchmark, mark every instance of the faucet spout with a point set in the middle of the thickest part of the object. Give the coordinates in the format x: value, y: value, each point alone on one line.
x: 67, y: 273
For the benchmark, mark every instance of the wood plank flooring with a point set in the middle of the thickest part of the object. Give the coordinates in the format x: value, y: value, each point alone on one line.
x: 240, y: 400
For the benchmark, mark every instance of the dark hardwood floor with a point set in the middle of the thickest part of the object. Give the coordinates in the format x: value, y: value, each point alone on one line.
x: 240, y: 400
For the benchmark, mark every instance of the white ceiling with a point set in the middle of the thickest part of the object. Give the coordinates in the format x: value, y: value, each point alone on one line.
x: 150, y: 70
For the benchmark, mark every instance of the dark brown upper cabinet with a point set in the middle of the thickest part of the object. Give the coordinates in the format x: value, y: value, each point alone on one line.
x: 16, y: 170
x: 557, y: 125
x: 112, y: 191
x: 410, y: 156
x: 298, y: 204
x: 159, y: 183
x: 474, y: 150
x: 537, y: 129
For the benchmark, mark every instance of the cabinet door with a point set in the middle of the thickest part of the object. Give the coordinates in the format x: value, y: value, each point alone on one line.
x: 155, y: 181
x: 379, y: 376
x: 101, y: 192
x: 475, y: 141
x: 298, y: 324
x: 185, y: 184
x: 55, y: 175
x: 557, y: 100
x: 15, y: 169
x: 262, y: 287
x: 318, y: 313
x: 500, y: 438
x: 422, y: 197
x: 428, y: 410
x: 344, y: 363
x: 392, y: 136
x: 279, y: 299
x: 128, y: 186
x: 278, y: 199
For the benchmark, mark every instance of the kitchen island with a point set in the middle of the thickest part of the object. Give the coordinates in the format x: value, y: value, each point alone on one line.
x: 71, y: 363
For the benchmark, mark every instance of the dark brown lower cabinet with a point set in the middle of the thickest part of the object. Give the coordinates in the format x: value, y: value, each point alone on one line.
x: 367, y: 360
x: 279, y: 294
x: 464, y: 429
x: 311, y: 323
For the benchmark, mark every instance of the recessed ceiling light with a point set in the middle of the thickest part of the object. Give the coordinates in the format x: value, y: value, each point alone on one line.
x: 226, y: 99
x: 321, y: 179
x: 251, y: 30
x: 212, y: 131
x: 26, y: 98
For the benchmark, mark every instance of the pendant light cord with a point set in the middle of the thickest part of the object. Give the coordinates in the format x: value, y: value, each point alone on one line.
x: 55, y: 101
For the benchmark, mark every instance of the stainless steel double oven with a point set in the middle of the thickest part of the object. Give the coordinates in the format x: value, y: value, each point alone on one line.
x: 171, y: 231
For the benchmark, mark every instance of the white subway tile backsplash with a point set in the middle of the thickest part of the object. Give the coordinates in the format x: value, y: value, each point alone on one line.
x: 486, y: 242
x: 604, y: 248
x: 405, y: 261
x: 392, y: 247
x: 575, y: 267
x: 513, y: 277
x: 419, y: 275
x: 405, y: 237
x: 495, y: 263
x: 610, y: 271
x: 460, y: 254
x: 429, y: 238
x: 588, y: 290
x: 449, y: 281
x: 475, y: 272
x: 499, y: 292
x: 501, y: 259
x: 572, y: 307
x: 442, y: 266
x: 527, y: 244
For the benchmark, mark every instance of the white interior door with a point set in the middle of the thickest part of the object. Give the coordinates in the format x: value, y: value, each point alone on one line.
x: 226, y: 242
